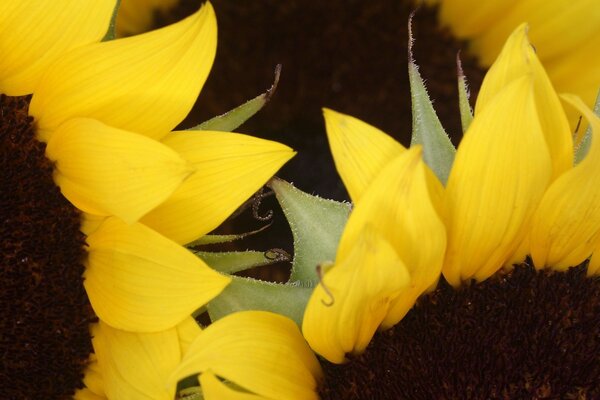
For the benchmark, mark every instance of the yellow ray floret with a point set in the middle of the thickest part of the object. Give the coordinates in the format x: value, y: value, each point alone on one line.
x: 137, y: 280
x: 401, y: 205
x: 146, y: 83
x: 261, y: 352
x: 501, y: 170
x: 516, y: 60
x: 229, y: 167
x: 32, y: 37
x: 359, y: 150
x: 136, y: 16
x: 566, y: 227
x: 135, y: 365
x: 347, y: 307
x: 107, y: 171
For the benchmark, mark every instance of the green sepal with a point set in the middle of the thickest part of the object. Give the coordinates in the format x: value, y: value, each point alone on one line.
x: 584, y: 146
x: 236, y: 261
x: 427, y: 130
x: 466, y: 112
x: 217, y: 239
x: 252, y: 294
x: 111, y: 33
x: 317, y: 225
x: 233, y: 119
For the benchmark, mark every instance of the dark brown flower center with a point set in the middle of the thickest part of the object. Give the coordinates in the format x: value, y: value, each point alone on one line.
x: 523, y: 335
x: 44, y: 310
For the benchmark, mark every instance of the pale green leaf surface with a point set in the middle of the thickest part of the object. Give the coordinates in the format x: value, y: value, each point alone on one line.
x: 466, y: 113
x: 316, y: 224
x: 251, y: 294
x: 111, y: 32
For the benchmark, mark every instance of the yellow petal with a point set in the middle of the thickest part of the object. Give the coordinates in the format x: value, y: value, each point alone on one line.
x: 359, y: 150
x: 470, y: 17
x: 566, y: 227
x: 108, y: 171
x: 401, y: 205
x: 136, y: 365
x: 557, y: 27
x: 500, y: 172
x: 229, y: 169
x: 34, y: 34
x: 261, y: 352
x: 139, y: 281
x: 516, y: 60
x: 345, y: 310
x: 187, y: 330
x: 146, y: 83
x: 214, y: 389
x: 93, y: 379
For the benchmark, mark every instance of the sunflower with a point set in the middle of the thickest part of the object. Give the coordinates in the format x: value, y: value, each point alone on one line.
x: 93, y: 176
x: 512, y: 192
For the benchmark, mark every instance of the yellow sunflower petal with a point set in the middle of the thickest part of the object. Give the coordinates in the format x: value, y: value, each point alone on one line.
x: 93, y: 380
x: 139, y: 281
x: 108, y: 171
x: 34, y: 34
x: 146, y: 83
x: 187, y: 330
x: 359, y: 150
x: 345, y: 310
x: 566, y: 227
x: 136, y: 365
x: 229, y: 167
x: 402, y: 204
x: 558, y: 27
x: 261, y: 352
x: 214, y: 389
x: 517, y: 59
x: 500, y: 172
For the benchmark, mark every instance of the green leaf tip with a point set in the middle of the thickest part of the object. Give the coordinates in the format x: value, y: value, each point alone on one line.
x: 584, y: 144
x: 427, y: 130
x: 232, y: 119
x: 252, y: 294
x: 111, y: 33
x: 317, y: 225
x: 466, y: 113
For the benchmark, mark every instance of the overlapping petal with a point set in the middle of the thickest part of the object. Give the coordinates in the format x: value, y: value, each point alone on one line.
x: 347, y: 307
x: 516, y: 60
x: 136, y: 365
x: 260, y: 352
x: 359, y: 150
x: 137, y: 280
x: 214, y: 389
x: 229, y: 169
x: 500, y: 173
x: 137, y: 16
x: 34, y: 34
x: 145, y: 84
x: 108, y: 171
x: 566, y: 226
x: 401, y: 205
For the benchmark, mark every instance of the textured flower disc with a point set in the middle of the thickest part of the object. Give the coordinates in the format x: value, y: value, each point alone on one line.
x: 44, y: 310
x: 522, y: 335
